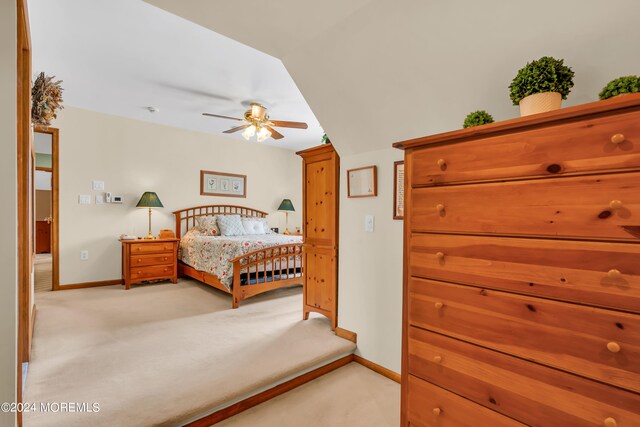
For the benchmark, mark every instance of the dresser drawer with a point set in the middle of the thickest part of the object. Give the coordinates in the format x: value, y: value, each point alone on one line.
x: 602, y: 206
x: 152, y: 272
x: 596, y: 343
x: 152, y: 259
x: 596, y: 273
x: 429, y: 406
x: 571, y: 148
x: 141, y: 248
x: 531, y: 393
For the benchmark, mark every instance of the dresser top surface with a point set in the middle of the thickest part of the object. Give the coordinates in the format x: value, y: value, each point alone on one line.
x: 621, y: 104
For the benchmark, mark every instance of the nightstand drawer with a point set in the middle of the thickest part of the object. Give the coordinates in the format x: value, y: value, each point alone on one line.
x: 140, y: 248
x: 152, y: 259
x: 152, y: 272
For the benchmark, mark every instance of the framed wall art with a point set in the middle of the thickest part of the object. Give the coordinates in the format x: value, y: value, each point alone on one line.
x: 222, y: 184
x: 398, y: 190
x: 362, y: 182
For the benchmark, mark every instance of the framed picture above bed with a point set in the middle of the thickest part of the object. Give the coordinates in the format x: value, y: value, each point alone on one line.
x: 362, y: 182
x: 222, y: 184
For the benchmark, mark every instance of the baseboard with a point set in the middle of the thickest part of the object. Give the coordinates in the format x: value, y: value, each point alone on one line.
x: 89, y: 284
x: 259, y: 398
x: 346, y: 334
x: 377, y: 368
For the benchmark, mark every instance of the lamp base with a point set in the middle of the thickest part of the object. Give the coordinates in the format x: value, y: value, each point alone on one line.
x: 286, y: 231
x: 149, y: 237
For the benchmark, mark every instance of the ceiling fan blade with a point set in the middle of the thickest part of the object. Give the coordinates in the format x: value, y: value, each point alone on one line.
x: 274, y: 133
x: 236, y: 129
x: 222, y: 117
x: 283, y: 124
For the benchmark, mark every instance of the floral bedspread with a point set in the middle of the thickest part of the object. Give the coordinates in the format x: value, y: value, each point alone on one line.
x: 212, y: 253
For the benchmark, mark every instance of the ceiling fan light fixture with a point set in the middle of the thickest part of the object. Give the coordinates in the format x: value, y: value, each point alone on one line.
x: 263, y: 134
x: 249, y: 132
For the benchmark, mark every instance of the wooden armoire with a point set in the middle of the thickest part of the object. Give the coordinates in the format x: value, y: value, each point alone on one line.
x: 321, y: 191
x: 522, y: 271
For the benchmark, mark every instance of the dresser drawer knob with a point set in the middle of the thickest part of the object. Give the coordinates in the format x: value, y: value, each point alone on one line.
x: 436, y: 411
x: 618, y: 138
x: 439, y: 305
x: 440, y: 255
x: 440, y: 208
x: 442, y: 164
x: 615, y: 204
x: 165, y: 258
x: 139, y: 260
x: 139, y: 272
x: 613, y: 347
x: 614, y: 274
x: 437, y: 359
x: 610, y: 422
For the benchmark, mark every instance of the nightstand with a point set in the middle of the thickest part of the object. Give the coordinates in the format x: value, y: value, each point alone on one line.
x: 144, y: 260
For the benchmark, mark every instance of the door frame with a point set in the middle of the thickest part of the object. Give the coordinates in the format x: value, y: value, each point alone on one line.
x: 55, y: 202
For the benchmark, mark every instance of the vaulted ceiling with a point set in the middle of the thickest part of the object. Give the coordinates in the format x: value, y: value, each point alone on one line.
x: 379, y: 71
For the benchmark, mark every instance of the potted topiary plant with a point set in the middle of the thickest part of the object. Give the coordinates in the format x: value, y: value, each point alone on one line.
x: 541, y: 86
x: 621, y: 86
x: 477, y: 118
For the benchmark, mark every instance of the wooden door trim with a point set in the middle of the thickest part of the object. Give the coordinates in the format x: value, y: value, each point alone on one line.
x: 55, y: 202
x: 24, y: 185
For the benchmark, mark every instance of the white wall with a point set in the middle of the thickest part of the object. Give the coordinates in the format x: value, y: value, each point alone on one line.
x: 8, y: 210
x: 134, y: 156
x: 370, y: 270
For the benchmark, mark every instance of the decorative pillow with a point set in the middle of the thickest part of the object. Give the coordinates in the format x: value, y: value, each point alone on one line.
x: 230, y: 225
x: 265, y: 225
x: 253, y: 226
x: 208, y: 225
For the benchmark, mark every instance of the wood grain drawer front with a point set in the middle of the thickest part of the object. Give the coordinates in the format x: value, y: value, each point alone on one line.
x: 591, y: 145
x: 429, y: 405
x: 531, y: 393
x: 596, y: 343
x: 154, y: 259
x: 141, y: 248
x: 156, y: 271
x: 603, y: 206
x: 596, y: 273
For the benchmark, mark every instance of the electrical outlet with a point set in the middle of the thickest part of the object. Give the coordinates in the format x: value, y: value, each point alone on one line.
x: 84, y: 255
x: 98, y: 185
x: 369, y: 223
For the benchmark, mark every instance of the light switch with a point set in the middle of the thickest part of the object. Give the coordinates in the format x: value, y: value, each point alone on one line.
x: 84, y: 199
x: 368, y: 223
x: 99, y: 199
x: 98, y: 185
x: 84, y: 255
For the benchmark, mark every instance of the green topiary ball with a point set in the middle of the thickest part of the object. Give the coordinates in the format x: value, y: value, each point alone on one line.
x: 627, y: 84
x: 477, y: 118
x: 547, y: 74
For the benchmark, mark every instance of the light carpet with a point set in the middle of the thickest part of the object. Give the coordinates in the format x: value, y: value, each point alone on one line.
x: 352, y: 396
x: 43, y: 272
x: 163, y: 354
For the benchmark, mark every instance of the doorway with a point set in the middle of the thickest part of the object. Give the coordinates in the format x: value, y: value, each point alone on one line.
x: 45, y: 144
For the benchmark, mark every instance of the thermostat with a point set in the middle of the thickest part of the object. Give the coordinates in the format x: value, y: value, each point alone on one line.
x: 116, y: 199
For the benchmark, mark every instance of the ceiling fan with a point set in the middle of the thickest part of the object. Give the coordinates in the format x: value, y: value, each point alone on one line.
x: 257, y: 123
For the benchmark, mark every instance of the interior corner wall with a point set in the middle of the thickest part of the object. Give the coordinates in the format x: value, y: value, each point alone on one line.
x: 370, y: 264
x: 132, y: 157
x: 9, y: 214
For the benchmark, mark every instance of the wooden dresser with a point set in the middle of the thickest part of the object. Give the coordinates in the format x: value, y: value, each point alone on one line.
x: 522, y: 271
x: 144, y: 260
x: 321, y: 190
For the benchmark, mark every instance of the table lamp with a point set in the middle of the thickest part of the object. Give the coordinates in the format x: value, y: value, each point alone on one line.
x: 149, y: 200
x: 286, y: 206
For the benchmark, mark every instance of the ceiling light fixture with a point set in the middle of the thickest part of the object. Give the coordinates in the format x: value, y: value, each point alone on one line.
x: 249, y: 132
x: 263, y: 134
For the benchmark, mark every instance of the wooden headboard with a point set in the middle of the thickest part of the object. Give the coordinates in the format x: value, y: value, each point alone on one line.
x: 186, y: 218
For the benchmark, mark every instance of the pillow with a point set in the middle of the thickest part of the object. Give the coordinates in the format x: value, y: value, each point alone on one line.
x: 208, y: 225
x: 253, y: 226
x: 265, y: 225
x: 230, y: 225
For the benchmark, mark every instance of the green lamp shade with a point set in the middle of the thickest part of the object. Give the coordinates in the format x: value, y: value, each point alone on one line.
x: 149, y: 200
x: 286, y: 205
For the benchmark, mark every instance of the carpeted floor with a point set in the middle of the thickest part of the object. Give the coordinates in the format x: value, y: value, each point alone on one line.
x: 352, y: 396
x: 43, y: 273
x: 163, y: 354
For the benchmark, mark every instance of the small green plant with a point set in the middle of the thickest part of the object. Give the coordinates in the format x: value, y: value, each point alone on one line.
x: 325, y: 139
x: 547, y: 74
x: 627, y: 84
x: 477, y: 118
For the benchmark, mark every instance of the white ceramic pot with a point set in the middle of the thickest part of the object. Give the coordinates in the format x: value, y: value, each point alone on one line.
x: 540, y: 103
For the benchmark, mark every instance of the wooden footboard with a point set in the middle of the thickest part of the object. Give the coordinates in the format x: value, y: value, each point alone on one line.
x: 266, y: 269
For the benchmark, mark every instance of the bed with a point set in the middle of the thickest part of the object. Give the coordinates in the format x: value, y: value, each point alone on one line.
x: 243, y: 266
